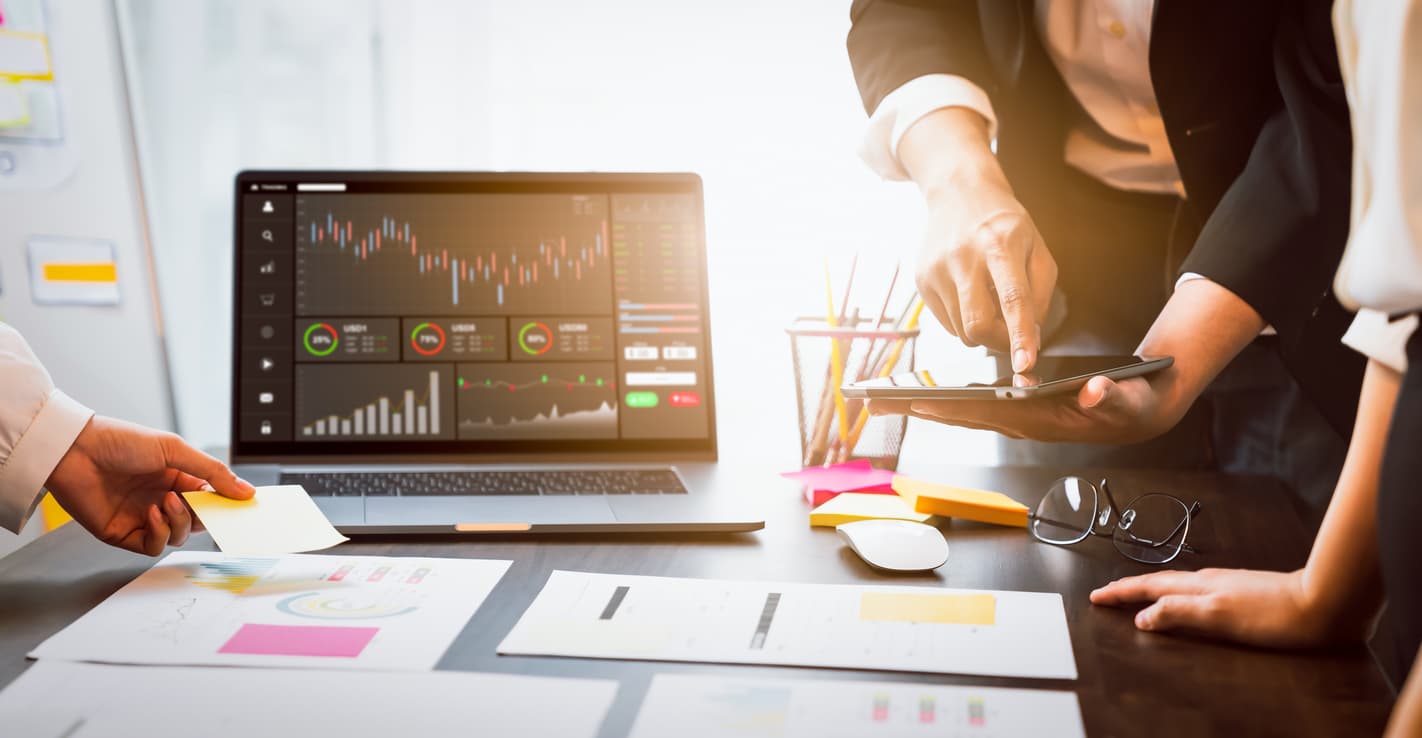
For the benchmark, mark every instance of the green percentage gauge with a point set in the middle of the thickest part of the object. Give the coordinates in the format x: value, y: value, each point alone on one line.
x: 321, y: 339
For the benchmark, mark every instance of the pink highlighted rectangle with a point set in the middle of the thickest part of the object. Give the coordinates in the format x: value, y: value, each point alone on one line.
x: 339, y: 641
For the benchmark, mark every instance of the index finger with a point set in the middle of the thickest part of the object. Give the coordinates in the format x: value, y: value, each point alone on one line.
x: 1146, y: 588
x: 179, y: 455
x: 1019, y: 312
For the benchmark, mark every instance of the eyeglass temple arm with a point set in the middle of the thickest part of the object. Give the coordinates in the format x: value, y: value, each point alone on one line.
x: 1110, y: 499
x: 1194, y: 510
x: 1184, y: 546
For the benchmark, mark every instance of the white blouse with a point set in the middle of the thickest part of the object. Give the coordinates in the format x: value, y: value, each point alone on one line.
x: 1380, y: 51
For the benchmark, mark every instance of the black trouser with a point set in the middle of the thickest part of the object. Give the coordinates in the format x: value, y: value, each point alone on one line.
x: 1400, y: 520
x: 1117, y: 255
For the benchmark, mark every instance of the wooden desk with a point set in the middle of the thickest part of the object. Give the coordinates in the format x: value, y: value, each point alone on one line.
x: 1131, y: 683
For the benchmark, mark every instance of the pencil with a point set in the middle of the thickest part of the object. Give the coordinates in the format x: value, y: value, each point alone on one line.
x: 888, y: 367
x: 816, y: 449
x: 836, y: 368
x: 864, y: 364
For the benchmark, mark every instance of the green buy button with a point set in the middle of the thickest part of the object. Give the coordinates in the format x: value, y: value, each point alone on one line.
x: 641, y: 399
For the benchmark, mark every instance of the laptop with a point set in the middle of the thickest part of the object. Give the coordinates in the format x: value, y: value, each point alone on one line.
x: 479, y: 352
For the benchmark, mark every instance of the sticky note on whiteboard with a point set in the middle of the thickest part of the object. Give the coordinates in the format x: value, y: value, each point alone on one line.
x: 14, y: 108
x: 68, y: 271
x: 24, y: 55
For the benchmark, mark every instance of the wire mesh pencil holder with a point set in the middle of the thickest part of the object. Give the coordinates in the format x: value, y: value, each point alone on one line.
x: 864, y: 352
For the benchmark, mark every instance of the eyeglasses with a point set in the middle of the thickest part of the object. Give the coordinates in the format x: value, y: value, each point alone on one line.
x: 1151, y: 530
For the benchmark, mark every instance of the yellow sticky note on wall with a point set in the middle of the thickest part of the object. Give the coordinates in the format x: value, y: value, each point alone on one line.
x: 953, y: 609
x: 24, y: 55
x: 14, y: 107
x: 959, y: 502
x: 278, y: 520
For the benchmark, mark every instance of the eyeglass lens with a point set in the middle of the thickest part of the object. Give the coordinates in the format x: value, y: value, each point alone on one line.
x: 1066, y: 512
x: 1152, y: 529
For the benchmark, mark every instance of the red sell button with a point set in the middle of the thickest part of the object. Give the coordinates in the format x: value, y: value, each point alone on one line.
x: 685, y: 399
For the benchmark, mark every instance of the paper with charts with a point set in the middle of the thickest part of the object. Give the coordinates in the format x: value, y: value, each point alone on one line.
x: 1013, y: 634
x: 335, y: 612
x: 57, y: 699
x: 704, y: 706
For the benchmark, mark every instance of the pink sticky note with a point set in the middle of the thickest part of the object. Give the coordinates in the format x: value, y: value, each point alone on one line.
x: 817, y: 497
x: 852, y: 476
x: 341, y: 641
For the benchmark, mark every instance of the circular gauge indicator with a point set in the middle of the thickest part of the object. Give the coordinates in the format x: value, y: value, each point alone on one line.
x: 535, y: 338
x: 427, y: 339
x: 321, y: 339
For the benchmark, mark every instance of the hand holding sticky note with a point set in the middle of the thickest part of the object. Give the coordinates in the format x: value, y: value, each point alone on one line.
x: 277, y: 520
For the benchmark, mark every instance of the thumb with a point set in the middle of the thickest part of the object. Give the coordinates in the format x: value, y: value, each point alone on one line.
x: 1098, y: 393
x: 177, y: 454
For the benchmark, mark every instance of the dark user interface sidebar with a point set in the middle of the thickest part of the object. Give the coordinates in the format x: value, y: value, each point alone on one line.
x: 266, y: 316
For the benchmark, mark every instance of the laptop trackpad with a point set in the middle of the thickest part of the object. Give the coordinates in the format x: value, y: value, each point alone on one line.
x: 456, y: 510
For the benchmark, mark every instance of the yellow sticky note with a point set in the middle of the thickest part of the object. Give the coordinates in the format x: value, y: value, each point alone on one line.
x: 278, y: 520
x: 960, y: 502
x: 954, y: 609
x: 14, y: 107
x: 848, y: 507
x: 24, y: 55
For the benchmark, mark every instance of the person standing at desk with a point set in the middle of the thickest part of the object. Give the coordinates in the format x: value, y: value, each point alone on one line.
x: 1371, y: 540
x: 1177, y: 170
x: 116, y: 479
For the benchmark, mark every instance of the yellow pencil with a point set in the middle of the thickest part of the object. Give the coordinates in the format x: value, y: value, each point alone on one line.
x: 836, y: 368
x: 889, y: 364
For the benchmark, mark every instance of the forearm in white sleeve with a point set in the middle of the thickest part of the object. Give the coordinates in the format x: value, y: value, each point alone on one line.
x: 38, y: 424
x: 904, y: 106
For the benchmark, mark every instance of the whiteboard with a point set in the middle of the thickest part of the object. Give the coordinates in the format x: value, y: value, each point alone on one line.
x: 61, y: 201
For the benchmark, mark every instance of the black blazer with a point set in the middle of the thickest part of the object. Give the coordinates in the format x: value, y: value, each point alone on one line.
x: 1253, y: 105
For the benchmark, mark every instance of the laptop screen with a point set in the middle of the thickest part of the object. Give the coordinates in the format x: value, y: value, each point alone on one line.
x: 452, y: 314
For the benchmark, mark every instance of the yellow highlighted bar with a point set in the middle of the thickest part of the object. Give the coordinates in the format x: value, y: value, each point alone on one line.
x: 952, y: 609
x: 80, y: 273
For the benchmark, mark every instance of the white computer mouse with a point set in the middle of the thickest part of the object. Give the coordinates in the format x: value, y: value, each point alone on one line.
x: 896, y: 545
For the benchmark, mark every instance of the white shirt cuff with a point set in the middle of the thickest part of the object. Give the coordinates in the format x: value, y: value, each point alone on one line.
x: 1192, y: 276
x: 1384, y: 341
x: 35, y: 455
x: 905, y: 106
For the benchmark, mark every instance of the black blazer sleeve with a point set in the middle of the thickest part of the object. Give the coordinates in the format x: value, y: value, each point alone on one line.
x: 893, y: 41
x: 1277, y: 235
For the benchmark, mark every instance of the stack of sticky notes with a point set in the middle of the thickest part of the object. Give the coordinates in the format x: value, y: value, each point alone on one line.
x: 824, y: 482
x: 958, y: 502
x: 848, y: 507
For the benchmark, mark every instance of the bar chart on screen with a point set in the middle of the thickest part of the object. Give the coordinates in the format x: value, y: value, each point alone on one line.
x: 453, y: 254
x: 393, y: 401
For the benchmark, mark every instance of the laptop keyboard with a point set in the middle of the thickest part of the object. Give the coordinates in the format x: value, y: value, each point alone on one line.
x: 531, y: 482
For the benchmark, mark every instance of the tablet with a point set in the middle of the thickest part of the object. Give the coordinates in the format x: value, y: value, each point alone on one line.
x: 980, y: 380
